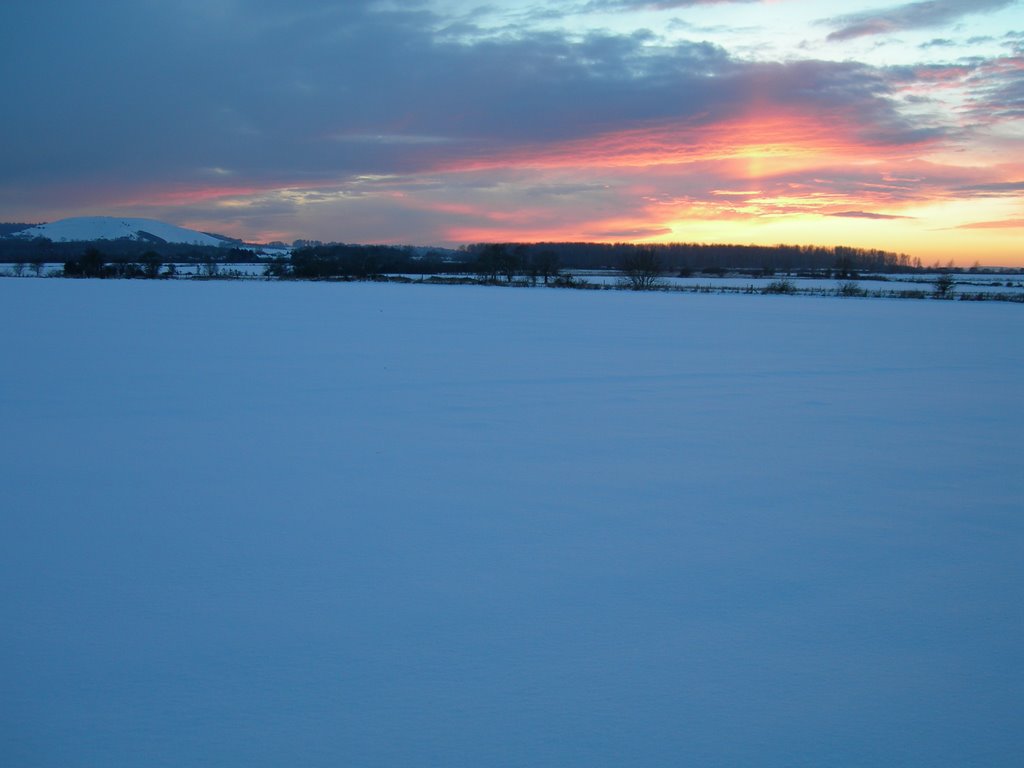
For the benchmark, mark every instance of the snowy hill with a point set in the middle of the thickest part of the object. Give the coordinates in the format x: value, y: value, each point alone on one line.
x: 88, y: 228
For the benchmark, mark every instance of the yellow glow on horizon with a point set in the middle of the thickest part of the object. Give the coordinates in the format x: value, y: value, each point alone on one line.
x: 918, y: 238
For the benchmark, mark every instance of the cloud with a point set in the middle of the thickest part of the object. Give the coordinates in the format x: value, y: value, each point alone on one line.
x: 996, y: 90
x: 636, y: 233
x: 919, y: 15
x: 867, y: 215
x: 1012, y: 188
x: 344, y: 121
x: 1002, y: 224
x: 362, y: 92
x: 990, y: 90
x: 657, y: 5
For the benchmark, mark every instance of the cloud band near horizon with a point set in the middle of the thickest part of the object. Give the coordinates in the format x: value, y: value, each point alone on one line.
x: 358, y: 123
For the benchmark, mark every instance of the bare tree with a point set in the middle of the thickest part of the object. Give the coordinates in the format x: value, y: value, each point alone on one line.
x: 489, y: 261
x: 509, y: 262
x: 210, y: 267
x: 641, y: 269
x: 545, y: 264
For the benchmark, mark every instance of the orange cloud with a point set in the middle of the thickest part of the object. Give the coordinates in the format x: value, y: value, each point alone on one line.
x: 769, y: 143
x: 1002, y: 224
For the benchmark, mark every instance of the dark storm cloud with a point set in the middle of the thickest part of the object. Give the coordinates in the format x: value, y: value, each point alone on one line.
x: 919, y: 15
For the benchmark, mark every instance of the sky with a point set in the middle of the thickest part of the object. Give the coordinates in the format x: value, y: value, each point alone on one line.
x: 439, y: 122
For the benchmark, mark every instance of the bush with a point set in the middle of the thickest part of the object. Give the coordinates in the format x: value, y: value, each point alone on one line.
x: 567, y: 280
x: 278, y: 268
x: 944, y: 286
x: 92, y: 263
x: 779, y: 286
x: 850, y: 288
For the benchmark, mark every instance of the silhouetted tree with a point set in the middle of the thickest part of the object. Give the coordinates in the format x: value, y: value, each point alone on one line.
x: 277, y: 268
x: 509, y: 261
x: 844, y: 269
x: 92, y: 263
x: 151, y: 264
x: 545, y: 264
x: 641, y: 269
x: 210, y: 267
x: 488, y: 262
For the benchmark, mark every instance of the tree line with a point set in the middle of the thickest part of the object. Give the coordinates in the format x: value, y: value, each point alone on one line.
x: 338, y: 260
x: 490, y: 262
x: 26, y: 251
x: 686, y: 258
x: 494, y: 262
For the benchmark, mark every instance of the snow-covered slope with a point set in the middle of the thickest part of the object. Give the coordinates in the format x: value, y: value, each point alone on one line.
x: 111, y: 228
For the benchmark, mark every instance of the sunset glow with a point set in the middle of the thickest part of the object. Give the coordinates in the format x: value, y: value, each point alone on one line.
x: 882, y: 126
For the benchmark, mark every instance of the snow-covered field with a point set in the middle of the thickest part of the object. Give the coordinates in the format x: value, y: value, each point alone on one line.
x: 892, y: 284
x: 965, y: 284
x: 310, y: 524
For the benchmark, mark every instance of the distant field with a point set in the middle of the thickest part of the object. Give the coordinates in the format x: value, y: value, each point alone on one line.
x: 1008, y: 285
x: 885, y: 283
x: 320, y: 524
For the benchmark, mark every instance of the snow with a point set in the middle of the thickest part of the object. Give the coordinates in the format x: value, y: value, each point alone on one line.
x: 265, y: 524
x: 87, y: 228
x: 891, y: 285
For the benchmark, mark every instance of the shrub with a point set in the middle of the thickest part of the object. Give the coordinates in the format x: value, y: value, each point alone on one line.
x: 567, y: 280
x: 944, y: 286
x: 850, y: 288
x: 779, y: 286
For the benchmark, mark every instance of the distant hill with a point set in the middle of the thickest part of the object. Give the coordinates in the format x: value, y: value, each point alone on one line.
x: 91, y: 228
x: 10, y: 228
x: 123, y: 239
